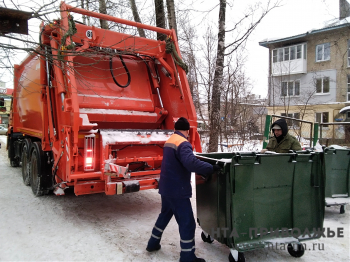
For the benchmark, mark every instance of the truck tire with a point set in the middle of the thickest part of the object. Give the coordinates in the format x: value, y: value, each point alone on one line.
x: 25, y: 162
x: 40, y: 171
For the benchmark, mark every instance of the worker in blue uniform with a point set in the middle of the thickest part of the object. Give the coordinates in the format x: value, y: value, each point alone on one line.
x: 175, y: 190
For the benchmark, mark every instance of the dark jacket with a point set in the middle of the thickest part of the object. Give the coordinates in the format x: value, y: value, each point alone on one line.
x: 285, y: 142
x: 177, y: 165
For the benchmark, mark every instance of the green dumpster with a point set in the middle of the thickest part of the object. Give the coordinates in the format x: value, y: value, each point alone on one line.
x: 260, y: 199
x: 337, y: 172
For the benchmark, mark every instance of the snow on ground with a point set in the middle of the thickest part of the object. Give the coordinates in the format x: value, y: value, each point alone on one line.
x: 116, y: 228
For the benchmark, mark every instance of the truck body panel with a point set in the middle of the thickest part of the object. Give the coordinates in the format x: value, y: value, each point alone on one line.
x: 100, y: 104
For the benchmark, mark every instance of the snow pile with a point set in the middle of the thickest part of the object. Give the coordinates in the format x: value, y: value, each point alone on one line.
x: 86, y: 121
x: 143, y: 137
x: 233, y: 145
x: 115, y: 112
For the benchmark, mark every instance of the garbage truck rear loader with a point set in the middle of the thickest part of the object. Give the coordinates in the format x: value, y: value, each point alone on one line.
x: 92, y: 108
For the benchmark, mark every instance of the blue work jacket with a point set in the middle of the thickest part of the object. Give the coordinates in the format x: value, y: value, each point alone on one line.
x: 177, y: 164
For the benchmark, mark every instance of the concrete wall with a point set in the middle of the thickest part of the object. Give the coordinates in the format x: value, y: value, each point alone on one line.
x: 307, y: 89
x: 338, y: 40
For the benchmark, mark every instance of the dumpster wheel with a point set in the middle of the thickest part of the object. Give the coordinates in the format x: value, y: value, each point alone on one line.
x: 207, y: 239
x: 241, y: 257
x: 296, y: 253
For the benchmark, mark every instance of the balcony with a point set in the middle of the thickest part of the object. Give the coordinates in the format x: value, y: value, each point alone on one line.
x: 297, y: 66
x: 289, y: 60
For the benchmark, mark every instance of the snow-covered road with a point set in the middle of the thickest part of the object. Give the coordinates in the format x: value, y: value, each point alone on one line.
x: 116, y: 228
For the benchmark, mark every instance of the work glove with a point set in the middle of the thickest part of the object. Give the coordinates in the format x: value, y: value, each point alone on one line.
x: 216, y: 168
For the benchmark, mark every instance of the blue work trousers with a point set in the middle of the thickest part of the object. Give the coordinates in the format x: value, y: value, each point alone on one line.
x: 182, y: 210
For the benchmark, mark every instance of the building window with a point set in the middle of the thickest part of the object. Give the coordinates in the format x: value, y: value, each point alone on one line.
x: 298, y: 51
x: 274, y: 56
x: 290, y: 122
x: 289, y: 53
x: 322, y: 118
x: 290, y: 88
x: 348, y: 90
x: 323, y: 52
x: 322, y: 85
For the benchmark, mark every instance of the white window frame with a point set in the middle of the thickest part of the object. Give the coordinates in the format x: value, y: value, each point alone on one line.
x: 322, y: 79
x: 290, y: 122
x: 285, y: 53
x: 289, y: 84
x: 321, y: 117
x: 322, y: 48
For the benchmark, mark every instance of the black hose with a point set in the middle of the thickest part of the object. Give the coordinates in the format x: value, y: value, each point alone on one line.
x: 126, y: 70
x: 149, y: 69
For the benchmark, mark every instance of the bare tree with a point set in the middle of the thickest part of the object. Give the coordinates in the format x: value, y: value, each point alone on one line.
x: 218, y: 78
x: 171, y: 15
x: 137, y: 17
x: 160, y: 17
x: 222, y: 50
x: 103, y: 10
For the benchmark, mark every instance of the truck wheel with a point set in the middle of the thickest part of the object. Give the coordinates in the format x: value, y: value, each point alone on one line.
x: 207, y: 239
x: 40, y: 171
x: 296, y: 250
x: 25, y: 163
x: 241, y: 257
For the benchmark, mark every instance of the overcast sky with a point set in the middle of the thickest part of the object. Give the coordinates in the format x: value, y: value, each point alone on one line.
x: 293, y: 18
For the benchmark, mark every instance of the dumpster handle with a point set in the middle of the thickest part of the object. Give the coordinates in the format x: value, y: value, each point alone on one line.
x: 240, y: 155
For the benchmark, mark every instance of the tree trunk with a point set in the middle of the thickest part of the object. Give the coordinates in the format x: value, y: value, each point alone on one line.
x: 217, y: 83
x: 87, y: 17
x: 160, y: 15
x: 103, y: 10
x: 82, y: 6
x: 171, y: 15
x: 137, y: 19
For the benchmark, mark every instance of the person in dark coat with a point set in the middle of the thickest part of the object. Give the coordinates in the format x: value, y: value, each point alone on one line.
x: 282, y: 142
x: 175, y: 190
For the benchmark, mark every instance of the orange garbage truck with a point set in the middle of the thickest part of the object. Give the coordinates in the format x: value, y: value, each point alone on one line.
x: 92, y: 108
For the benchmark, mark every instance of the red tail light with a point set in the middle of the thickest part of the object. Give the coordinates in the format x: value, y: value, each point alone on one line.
x: 89, y: 153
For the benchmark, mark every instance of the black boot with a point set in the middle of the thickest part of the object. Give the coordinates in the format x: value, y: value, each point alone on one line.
x: 197, y: 259
x: 154, y: 248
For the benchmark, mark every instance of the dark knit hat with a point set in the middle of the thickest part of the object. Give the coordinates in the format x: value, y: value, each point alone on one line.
x: 182, y: 124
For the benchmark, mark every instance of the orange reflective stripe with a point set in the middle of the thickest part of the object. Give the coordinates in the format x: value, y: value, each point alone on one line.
x: 174, y: 141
